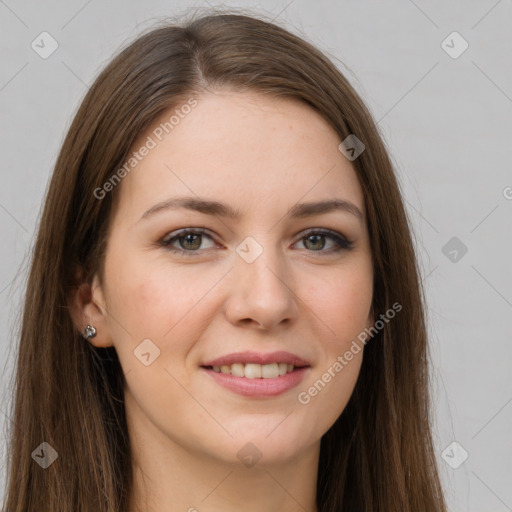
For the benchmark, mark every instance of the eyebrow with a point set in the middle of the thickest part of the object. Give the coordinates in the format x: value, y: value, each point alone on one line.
x: 208, y: 207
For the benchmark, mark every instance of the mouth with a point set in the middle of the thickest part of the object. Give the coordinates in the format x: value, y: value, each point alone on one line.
x: 257, y: 375
x: 254, y: 370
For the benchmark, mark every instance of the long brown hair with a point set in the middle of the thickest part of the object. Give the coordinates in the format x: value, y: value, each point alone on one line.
x: 378, y: 456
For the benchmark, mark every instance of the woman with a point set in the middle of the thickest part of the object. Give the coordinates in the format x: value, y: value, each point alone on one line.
x: 223, y: 239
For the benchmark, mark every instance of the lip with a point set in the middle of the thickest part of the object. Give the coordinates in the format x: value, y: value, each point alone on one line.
x: 259, y: 388
x: 258, y: 358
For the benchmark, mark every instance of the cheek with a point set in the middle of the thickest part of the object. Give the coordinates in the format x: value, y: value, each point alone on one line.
x: 137, y: 286
x: 341, y: 302
x: 342, y: 308
x: 329, y: 391
x: 167, y: 305
x: 156, y: 300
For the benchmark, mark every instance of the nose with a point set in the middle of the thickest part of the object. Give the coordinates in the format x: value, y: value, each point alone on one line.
x: 261, y: 292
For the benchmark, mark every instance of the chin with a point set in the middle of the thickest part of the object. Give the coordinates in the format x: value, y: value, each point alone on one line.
x: 263, y: 446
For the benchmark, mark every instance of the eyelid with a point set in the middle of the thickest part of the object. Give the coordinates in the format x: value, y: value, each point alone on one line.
x: 184, y: 231
x: 342, y: 242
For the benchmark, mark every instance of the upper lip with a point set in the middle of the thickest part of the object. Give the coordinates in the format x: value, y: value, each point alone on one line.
x: 258, y: 358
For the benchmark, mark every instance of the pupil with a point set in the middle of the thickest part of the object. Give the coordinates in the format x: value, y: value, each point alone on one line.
x: 189, y: 238
x: 317, y: 237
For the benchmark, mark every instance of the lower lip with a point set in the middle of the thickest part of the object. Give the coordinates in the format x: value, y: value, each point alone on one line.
x: 259, y: 387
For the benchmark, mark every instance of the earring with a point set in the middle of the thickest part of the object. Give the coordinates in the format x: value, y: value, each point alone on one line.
x: 90, y: 332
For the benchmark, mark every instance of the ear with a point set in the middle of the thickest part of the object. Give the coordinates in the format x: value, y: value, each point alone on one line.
x: 87, y: 306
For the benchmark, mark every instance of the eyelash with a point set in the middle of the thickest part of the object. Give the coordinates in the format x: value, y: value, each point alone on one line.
x: 340, y: 240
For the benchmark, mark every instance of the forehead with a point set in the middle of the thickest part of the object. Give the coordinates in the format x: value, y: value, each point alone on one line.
x: 244, y: 148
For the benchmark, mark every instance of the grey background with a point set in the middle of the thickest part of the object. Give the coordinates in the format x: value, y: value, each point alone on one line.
x: 447, y: 123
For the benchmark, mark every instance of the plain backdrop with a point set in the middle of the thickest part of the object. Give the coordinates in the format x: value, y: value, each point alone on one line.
x: 445, y: 115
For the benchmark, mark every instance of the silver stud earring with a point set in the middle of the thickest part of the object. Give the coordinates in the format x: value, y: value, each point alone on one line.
x: 89, y: 332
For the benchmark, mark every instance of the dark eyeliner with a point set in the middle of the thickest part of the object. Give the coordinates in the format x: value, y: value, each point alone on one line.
x: 166, y: 242
x: 342, y: 242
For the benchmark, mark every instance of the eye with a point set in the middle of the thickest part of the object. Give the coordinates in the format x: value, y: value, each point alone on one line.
x: 190, y: 241
x: 315, y: 239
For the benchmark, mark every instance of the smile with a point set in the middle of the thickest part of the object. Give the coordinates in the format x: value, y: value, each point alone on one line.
x: 255, y: 371
x: 257, y: 375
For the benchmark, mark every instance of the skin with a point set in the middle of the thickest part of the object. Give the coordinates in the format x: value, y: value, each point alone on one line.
x: 261, y: 155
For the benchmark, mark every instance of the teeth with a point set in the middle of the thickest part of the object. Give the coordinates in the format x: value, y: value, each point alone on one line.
x: 283, y: 368
x: 255, y: 371
x: 237, y: 369
x: 270, y: 371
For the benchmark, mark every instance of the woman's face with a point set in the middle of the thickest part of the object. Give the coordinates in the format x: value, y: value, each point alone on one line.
x: 188, y: 290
